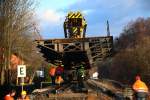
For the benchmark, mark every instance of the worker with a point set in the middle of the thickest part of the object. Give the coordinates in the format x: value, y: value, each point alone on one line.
x: 10, y: 95
x: 59, y: 80
x: 140, y: 88
x: 81, y: 71
x: 60, y: 70
x: 24, y: 96
x: 80, y: 75
x: 52, y: 71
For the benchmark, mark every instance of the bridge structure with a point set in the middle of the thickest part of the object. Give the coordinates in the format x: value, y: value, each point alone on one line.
x: 95, y: 48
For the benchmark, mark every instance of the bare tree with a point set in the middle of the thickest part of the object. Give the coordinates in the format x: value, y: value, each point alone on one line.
x: 132, y: 53
x: 17, y: 18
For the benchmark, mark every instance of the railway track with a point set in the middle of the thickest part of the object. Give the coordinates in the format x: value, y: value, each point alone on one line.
x: 103, y: 87
x: 117, y: 92
x: 62, y: 92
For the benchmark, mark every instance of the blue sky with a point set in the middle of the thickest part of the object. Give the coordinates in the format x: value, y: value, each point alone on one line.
x: 51, y: 15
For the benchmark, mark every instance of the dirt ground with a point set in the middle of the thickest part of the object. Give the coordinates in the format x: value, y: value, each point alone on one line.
x: 72, y: 96
x: 98, y: 97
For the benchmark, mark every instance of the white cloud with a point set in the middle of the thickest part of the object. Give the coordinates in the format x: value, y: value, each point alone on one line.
x: 119, y: 13
x: 131, y: 3
x: 52, y: 16
x: 50, y: 21
x: 88, y: 11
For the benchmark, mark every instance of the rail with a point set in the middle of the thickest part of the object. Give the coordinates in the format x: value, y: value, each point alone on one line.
x: 114, y: 92
x: 41, y: 84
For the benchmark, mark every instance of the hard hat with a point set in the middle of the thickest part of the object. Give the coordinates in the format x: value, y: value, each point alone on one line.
x: 137, y: 77
x: 23, y: 93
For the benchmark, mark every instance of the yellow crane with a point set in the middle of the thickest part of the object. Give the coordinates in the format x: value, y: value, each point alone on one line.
x: 75, y: 25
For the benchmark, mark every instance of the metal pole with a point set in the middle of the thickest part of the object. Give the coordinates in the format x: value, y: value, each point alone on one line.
x: 22, y: 78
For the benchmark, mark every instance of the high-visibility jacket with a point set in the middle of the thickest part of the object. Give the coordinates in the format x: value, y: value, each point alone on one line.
x: 59, y: 80
x: 81, y: 72
x: 8, y: 97
x: 52, y: 71
x: 140, y: 86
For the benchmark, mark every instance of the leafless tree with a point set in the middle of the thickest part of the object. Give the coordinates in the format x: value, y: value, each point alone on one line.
x: 132, y: 53
x: 16, y: 22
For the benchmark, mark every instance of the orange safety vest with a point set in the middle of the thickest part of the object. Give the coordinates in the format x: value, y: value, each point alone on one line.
x: 59, y: 80
x: 52, y: 71
x: 140, y: 86
x: 8, y: 97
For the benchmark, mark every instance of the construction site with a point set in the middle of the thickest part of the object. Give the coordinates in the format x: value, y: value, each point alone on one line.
x: 76, y: 49
x: 76, y: 66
